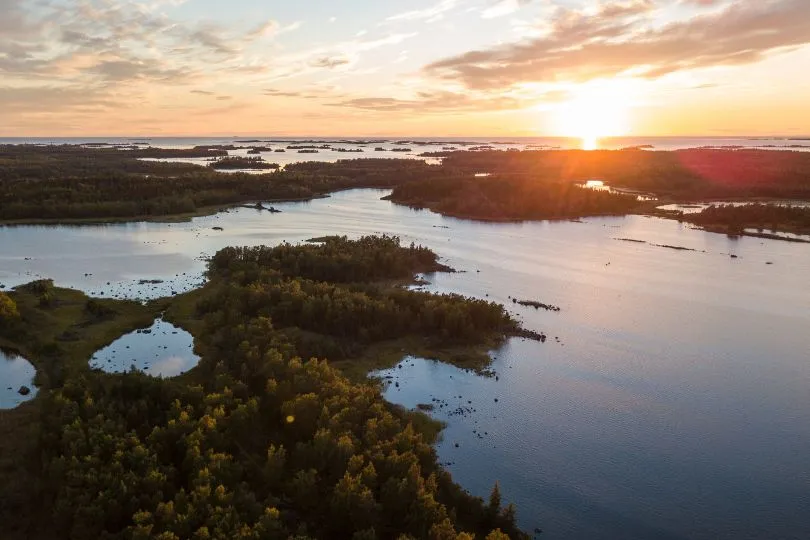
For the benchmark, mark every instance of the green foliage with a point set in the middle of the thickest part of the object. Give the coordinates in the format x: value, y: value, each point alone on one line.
x: 40, y: 286
x: 264, y: 444
x: 684, y: 174
x: 98, y: 309
x: 511, y: 198
x: 8, y: 309
x: 737, y: 218
x: 74, y: 182
x: 235, y: 162
x: 333, y: 258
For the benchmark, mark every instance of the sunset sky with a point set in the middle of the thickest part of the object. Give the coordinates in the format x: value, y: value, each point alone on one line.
x: 418, y: 67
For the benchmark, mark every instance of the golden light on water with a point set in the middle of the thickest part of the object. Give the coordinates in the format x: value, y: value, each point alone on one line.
x: 590, y: 143
x: 596, y: 110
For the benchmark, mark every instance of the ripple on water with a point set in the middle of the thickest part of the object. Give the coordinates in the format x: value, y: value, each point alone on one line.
x: 15, y: 372
x: 162, y: 350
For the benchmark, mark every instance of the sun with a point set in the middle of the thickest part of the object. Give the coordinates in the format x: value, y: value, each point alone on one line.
x: 595, y: 110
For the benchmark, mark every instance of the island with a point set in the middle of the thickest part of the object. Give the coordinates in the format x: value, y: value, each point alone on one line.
x: 736, y: 220
x: 243, y: 163
x: 265, y: 438
x: 46, y: 184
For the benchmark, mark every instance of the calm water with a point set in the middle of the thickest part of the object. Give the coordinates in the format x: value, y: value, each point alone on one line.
x: 675, y: 402
x: 162, y: 350
x: 15, y: 371
x: 425, y: 144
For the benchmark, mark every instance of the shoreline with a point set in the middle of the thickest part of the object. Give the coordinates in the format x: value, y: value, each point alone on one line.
x: 168, y: 218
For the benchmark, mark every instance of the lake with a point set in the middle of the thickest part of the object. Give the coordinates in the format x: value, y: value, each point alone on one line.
x: 672, y: 399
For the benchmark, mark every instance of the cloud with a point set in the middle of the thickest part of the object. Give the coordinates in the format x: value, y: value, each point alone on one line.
x: 52, y: 98
x: 272, y: 28
x: 437, y: 102
x: 128, y: 70
x: 431, y: 14
x: 503, y: 7
x: 330, y: 62
x: 617, y: 39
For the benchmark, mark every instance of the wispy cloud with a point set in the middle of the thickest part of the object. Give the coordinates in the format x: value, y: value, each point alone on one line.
x: 430, y: 14
x: 617, y: 39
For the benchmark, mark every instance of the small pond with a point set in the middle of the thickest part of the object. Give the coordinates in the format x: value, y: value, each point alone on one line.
x: 162, y: 350
x: 15, y: 373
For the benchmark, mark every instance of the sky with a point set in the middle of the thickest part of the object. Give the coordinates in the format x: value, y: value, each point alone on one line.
x: 579, y: 68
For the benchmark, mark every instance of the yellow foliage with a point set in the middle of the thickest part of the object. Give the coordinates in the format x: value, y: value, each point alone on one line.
x: 8, y: 308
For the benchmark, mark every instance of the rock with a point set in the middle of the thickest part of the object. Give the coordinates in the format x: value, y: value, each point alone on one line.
x: 217, y: 228
x: 24, y: 390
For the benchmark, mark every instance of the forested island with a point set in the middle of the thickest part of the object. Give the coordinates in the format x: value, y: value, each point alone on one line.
x: 237, y: 163
x: 258, y: 441
x: 681, y: 175
x: 505, y: 198
x: 736, y: 219
x: 65, y: 183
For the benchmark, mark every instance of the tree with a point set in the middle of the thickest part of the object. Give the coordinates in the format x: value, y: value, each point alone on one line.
x: 8, y: 309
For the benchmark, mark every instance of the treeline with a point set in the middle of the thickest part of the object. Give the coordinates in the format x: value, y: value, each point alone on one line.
x: 74, y: 182
x: 255, y: 442
x: 331, y: 258
x: 237, y: 162
x: 69, y: 182
x: 332, y: 299
x: 737, y: 218
x: 683, y: 174
x: 511, y: 198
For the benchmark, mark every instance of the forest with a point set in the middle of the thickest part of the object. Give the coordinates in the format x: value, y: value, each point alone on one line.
x: 506, y: 198
x: 261, y: 440
x: 236, y: 163
x: 684, y: 175
x: 63, y: 183
x: 735, y: 219
x: 75, y: 183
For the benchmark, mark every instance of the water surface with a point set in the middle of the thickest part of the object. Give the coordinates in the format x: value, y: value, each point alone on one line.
x: 162, y: 350
x: 15, y: 372
x: 674, y: 403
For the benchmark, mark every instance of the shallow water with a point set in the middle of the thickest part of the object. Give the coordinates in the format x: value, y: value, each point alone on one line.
x: 162, y: 350
x: 15, y: 371
x: 676, y: 403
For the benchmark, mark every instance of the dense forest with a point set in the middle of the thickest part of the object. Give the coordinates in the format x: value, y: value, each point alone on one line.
x: 72, y: 182
x: 257, y: 441
x: 103, y: 183
x: 734, y: 219
x: 511, y: 198
x: 236, y: 163
x: 684, y: 174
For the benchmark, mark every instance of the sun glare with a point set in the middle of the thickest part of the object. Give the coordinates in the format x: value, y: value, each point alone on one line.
x: 595, y: 110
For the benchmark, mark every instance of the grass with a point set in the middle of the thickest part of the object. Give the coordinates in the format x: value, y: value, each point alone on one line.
x: 58, y: 339
x: 387, y: 354
x: 64, y: 333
